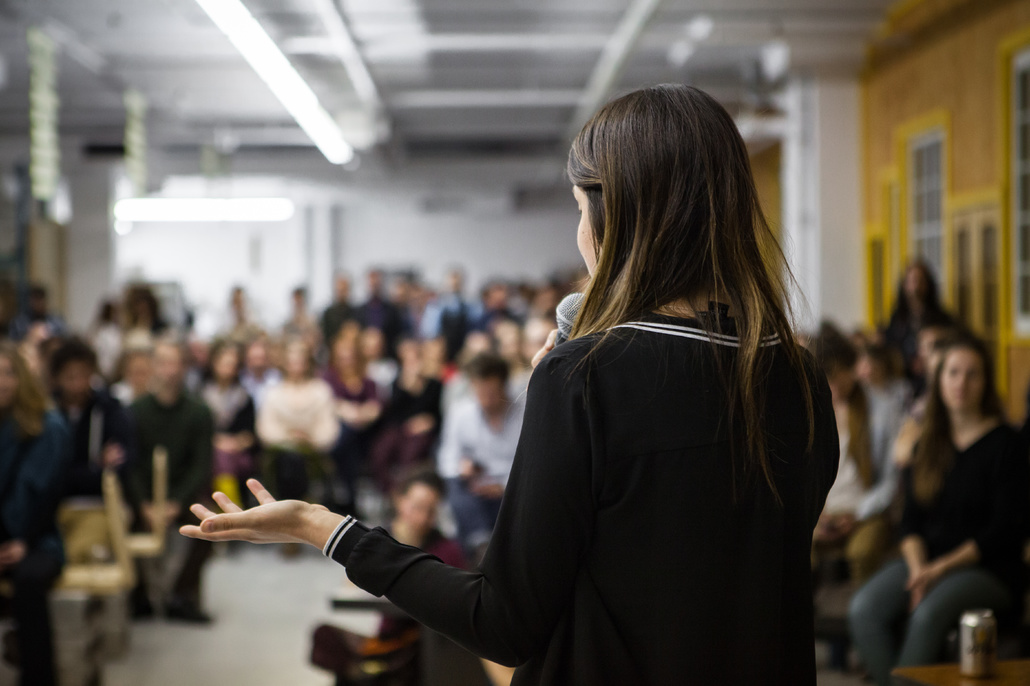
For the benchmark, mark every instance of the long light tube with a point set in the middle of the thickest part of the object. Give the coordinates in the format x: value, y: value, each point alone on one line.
x: 203, y: 209
x: 261, y: 52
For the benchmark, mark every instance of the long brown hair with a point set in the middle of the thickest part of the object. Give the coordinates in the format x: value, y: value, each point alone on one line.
x: 675, y: 215
x: 935, y: 454
x: 30, y: 400
x: 835, y: 353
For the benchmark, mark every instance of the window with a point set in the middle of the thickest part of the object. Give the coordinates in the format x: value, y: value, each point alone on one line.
x: 876, y: 276
x: 927, y: 198
x: 1021, y: 185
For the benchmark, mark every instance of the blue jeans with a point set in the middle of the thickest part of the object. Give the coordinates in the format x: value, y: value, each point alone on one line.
x: 474, y: 514
x: 882, y: 604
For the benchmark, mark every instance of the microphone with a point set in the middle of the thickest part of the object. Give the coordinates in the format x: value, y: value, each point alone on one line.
x: 565, y: 315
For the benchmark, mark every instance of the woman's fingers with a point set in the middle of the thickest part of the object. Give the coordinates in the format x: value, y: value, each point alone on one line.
x: 226, y: 503
x: 201, y: 511
x: 260, y: 492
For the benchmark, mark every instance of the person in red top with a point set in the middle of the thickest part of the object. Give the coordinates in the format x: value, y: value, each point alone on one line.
x: 416, y: 501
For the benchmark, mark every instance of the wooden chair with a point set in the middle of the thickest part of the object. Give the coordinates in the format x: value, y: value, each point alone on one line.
x: 106, y: 578
x: 152, y: 543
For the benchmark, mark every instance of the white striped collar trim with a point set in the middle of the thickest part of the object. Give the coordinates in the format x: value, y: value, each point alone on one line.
x: 693, y: 333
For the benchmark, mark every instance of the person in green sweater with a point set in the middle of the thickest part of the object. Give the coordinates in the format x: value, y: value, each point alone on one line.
x: 169, y: 416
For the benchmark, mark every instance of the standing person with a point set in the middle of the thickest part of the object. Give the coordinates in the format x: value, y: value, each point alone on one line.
x: 37, y: 313
x: 657, y: 524
x: 449, y: 316
x: 234, y: 416
x: 144, y: 322
x: 106, y: 338
x: 259, y: 374
x: 301, y: 324
x: 34, y: 454
x: 964, y: 523
x: 170, y: 417
x: 379, y: 313
x: 240, y: 326
x: 917, y: 305
x: 340, y: 312
x: 477, y: 449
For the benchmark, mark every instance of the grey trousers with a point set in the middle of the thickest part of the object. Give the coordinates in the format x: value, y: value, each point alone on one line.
x: 879, y: 607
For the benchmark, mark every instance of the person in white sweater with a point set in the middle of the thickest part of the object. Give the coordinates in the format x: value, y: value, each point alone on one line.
x: 297, y: 425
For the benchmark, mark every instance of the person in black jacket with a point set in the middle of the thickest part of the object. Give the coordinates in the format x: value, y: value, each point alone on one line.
x: 964, y: 523
x: 34, y: 455
x: 232, y: 409
x: 675, y: 455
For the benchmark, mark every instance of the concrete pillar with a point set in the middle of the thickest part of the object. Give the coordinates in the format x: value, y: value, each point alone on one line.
x: 822, y: 225
x: 89, y: 242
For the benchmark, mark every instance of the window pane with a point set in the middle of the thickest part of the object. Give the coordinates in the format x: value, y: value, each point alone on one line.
x: 1024, y: 243
x: 1024, y: 295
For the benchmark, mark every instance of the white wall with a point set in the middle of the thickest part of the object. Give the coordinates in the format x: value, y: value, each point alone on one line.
x: 379, y: 229
x: 822, y: 226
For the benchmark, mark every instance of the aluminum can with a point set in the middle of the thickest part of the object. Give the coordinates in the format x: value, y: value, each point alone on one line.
x: 978, y: 643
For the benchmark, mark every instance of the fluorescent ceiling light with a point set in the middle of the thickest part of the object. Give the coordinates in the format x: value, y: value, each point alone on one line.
x: 271, y: 65
x: 203, y: 209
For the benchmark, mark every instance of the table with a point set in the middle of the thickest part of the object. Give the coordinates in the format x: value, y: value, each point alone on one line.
x: 1009, y: 673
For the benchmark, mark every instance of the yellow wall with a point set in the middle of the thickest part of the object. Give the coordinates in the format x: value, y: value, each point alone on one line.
x: 945, y: 64
x: 765, y: 167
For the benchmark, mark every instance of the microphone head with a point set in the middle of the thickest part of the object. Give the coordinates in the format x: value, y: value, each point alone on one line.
x: 565, y: 315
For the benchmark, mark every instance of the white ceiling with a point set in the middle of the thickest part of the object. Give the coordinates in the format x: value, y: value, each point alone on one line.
x: 455, y: 77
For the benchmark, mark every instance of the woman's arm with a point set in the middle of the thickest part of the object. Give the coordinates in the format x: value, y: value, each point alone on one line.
x: 507, y: 610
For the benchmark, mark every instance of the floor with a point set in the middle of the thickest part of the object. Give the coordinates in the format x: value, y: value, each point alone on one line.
x: 265, y: 608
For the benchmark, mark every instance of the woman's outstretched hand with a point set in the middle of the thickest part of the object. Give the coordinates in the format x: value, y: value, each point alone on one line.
x: 272, y: 521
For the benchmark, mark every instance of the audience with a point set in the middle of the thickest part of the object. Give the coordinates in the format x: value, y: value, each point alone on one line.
x: 417, y: 381
x: 37, y: 314
x: 340, y: 312
x: 232, y: 410
x: 106, y: 338
x: 477, y: 449
x: 34, y: 454
x: 357, y: 408
x: 410, y: 421
x: 259, y: 374
x: 855, y: 512
x: 101, y: 438
x: 917, y: 305
x: 378, y: 312
x: 135, y: 371
x: 395, y: 647
x: 964, y: 524
x: 171, y: 418
x: 297, y: 426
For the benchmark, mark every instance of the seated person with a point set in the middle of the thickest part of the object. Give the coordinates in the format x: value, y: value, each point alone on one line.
x: 855, y: 512
x: 477, y: 450
x: 410, y: 421
x: 172, y: 418
x: 296, y: 425
x: 415, y: 503
x: 101, y: 438
x: 233, y: 411
x: 35, y: 449
x: 966, y: 497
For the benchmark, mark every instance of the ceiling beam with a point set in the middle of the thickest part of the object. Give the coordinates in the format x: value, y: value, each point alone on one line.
x: 342, y: 45
x: 468, y: 98
x: 612, y: 59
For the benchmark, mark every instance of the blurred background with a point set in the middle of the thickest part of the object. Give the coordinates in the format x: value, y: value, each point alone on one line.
x: 262, y: 171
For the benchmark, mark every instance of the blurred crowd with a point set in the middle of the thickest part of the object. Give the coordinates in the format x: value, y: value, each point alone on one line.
x: 414, y: 398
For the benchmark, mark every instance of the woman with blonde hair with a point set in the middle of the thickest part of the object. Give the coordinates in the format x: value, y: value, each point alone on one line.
x: 656, y: 526
x: 35, y: 450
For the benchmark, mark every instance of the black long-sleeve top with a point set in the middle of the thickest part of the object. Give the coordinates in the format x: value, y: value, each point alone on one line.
x: 984, y: 498
x: 101, y: 422
x: 404, y: 404
x: 621, y: 554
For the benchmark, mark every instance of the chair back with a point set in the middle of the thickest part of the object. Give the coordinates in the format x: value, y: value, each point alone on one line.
x: 118, y: 526
x: 159, y: 496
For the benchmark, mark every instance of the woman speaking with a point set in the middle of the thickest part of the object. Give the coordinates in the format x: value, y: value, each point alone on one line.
x: 675, y: 453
